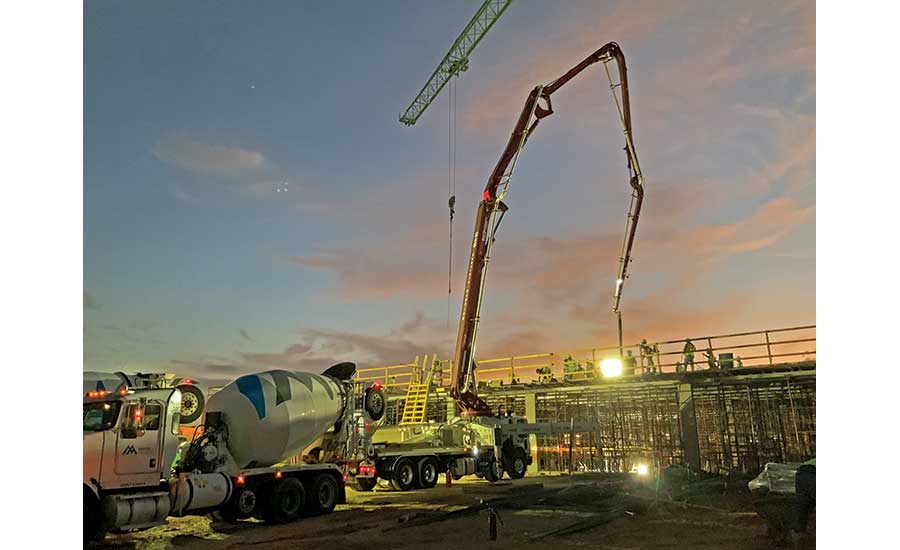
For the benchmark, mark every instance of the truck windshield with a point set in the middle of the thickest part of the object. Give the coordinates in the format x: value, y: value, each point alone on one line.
x: 101, y: 415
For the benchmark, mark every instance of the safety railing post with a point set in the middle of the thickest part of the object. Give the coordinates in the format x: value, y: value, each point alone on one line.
x: 769, y: 348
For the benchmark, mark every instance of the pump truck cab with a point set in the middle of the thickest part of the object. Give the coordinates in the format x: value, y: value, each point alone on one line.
x: 234, y: 466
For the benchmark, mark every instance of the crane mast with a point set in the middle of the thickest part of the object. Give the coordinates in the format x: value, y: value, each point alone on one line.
x: 491, y: 210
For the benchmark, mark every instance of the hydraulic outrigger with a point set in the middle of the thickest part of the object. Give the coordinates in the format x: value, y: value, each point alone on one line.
x: 492, y: 209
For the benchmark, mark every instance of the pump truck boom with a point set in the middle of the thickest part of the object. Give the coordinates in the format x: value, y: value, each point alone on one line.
x: 491, y: 210
x: 235, y: 464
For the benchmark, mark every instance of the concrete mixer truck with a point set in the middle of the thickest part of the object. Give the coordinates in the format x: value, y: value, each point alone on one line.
x: 235, y: 466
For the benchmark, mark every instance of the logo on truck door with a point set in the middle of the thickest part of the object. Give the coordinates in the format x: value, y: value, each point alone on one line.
x: 130, y: 450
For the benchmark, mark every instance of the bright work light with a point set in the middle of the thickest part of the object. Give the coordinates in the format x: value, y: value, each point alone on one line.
x: 611, y: 367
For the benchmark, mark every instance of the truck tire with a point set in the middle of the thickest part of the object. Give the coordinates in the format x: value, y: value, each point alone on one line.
x: 364, y: 484
x: 515, y: 463
x: 241, y: 506
x: 192, y: 403
x: 493, y: 473
x: 428, y: 472
x: 94, y: 526
x: 286, y: 501
x: 405, y: 475
x: 374, y: 404
x: 322, y: 496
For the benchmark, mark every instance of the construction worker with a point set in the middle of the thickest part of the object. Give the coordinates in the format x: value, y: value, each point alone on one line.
x: 689, y: 349
x: 738, y: 362
x: 545, y: 374
x: 710, y: 359
x: 570, y: 366
x: 647, y: 356
x: 630, y: 364
x: 437, y: 373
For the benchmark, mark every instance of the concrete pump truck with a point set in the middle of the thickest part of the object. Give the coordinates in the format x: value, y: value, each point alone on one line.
x: 480, y: 442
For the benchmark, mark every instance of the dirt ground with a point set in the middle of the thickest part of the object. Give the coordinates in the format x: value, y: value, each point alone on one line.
x: 418, y: 519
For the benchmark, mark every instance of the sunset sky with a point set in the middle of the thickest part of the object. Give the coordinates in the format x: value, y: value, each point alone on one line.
x: 251, y: 200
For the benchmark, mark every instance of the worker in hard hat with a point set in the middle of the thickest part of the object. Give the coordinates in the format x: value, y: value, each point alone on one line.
x: 647, y: 356
x: 545, y: 374
x: 570, y: 366
x: 630, y: 364
x: 437, y: 373
x: 689, y: 349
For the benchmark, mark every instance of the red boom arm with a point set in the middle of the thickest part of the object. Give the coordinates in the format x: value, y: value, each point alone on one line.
x: 463, y: 387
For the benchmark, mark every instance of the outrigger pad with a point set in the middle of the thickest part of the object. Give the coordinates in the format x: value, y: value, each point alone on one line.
x: 341, y: 371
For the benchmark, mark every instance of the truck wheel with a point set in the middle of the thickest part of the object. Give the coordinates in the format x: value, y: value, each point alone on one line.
x: 192, y: 402
x: 405, y: 475
x: 322, y: 496
x: 94, y: 527
x: 494, y: 472
x: 240, y: 506
x: 375, y: 404
x: 286, y: 501
x: 364, y: 484
x: 428, y: 473
x: 516, y: 463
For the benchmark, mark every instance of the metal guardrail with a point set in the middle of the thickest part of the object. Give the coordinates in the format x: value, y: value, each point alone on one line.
x: 764, y: 348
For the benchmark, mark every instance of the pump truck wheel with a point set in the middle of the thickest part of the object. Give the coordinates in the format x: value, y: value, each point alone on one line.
x: 428, y: 472
x: 493, y: 472
x: 322, y: 495
x: 286, y: 501
x: 515, y: 463
x: 405, y: 475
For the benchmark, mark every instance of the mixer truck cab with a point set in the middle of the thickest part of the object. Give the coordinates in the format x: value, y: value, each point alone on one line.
x: 130, y: 438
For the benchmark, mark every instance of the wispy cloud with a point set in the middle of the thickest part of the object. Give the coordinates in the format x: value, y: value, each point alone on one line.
x: 189, y: 153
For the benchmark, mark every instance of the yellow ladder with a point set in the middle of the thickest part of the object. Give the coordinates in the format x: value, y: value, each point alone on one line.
x: 416, y: 403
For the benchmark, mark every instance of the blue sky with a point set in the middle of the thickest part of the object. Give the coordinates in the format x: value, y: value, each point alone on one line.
x: 251, y: 200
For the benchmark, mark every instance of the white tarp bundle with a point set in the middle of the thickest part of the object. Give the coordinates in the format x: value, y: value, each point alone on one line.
x: 776, y: 478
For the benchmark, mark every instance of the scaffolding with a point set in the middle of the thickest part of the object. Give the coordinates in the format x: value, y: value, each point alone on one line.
x: 745, y: 416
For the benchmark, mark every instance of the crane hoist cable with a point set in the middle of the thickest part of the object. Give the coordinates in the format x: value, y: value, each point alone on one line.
x: 451, y: 185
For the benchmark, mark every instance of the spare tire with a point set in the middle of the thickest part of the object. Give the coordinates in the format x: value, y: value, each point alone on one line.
x: 192, y: 403
x: 375, y: 403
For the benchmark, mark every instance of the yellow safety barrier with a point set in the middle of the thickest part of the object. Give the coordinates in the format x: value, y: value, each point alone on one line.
x: 717, y: 352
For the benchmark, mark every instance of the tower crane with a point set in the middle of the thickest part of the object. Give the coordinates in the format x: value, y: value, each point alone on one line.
x: 491, y: 210
x: 457, y: 59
